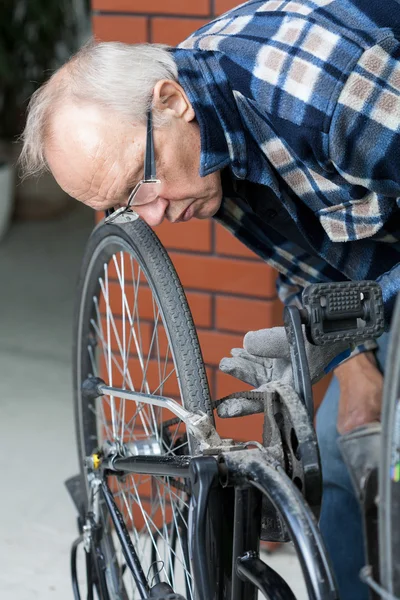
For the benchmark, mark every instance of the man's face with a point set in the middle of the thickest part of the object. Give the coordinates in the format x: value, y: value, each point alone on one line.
x: 98, y: 158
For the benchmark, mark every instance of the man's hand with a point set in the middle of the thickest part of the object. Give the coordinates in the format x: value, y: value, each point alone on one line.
x: 361, y: 387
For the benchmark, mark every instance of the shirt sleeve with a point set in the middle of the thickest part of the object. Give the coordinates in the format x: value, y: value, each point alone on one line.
x: 364, y: 143
x: 364, y: 137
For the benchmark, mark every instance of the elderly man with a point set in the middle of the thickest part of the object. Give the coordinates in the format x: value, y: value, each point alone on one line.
x: 289, y: 109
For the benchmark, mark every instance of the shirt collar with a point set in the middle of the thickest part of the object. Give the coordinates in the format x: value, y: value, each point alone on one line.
x: 223, y: 141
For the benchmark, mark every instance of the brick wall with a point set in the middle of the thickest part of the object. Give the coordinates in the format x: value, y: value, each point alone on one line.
x: 229, y: 289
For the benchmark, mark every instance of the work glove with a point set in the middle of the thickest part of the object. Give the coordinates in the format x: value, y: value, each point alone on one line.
x: 265, y: 357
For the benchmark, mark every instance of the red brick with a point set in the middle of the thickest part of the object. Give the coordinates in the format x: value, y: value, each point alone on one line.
x: 131, y: 30
x: 242, y: 277
x: 238, y: 314
x: 222, y: 6
x: 144, y: 333
x: 173, y: 31
x: 211, y: 376
x: 242, y: 429
x: 228, y: 245
x: 277, y: 313
x: 200, y: 306
x: 215, y: 345
x: 319, y: 390
x: 171, y: 387
x: 114, y: 272
x: 145, y: 490
x: 194, y: 235
x: 199, y: 303
x: 210, y: 372
x: 226, y: 384
x: 178, y: 7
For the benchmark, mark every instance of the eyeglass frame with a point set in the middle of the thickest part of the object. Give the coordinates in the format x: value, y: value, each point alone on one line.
x: 149, y: 173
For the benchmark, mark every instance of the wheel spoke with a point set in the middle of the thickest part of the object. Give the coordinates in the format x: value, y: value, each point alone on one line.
x: 113, y: 416
x: 122, y: 370
x: 124, y: 355
x: 158, y: 389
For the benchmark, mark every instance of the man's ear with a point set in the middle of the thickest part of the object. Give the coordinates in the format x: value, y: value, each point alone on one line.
x: 170, y: 97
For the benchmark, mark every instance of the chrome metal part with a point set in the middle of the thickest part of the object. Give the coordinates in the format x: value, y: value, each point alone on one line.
x: 199, y: 425
x: 147, y: 447
x: 122, y: 215
x: 227, y: 445
x: 154, y: 400
x: 87, y: 536
x: 366, y: 577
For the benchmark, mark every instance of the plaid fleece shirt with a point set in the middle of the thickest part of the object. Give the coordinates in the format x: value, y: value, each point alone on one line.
x: 303, y: 97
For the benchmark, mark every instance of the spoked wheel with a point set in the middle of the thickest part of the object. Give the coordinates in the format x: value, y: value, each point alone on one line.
x: 135, y: 331
x: 389, y: 474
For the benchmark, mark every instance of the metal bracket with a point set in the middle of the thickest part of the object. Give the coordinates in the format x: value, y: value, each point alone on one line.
x: 120, y: 216
x: 366, y: 577
x: 199, y: 425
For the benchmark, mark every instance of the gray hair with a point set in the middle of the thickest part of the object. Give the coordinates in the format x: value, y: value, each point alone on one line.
x: 119, y: 77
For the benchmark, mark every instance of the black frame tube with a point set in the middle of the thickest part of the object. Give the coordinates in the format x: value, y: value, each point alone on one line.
x: 241, y: 469
x: 204, y: 477
x: 298, y: 357
x: 273, y: 482
x: 74, y: 574
x: 89, y: 576
x: 128, y: 550
x: 268, y: 581
x: 246, y: 537
x: 163, y: 466
x: 95, y: 566
x: 303, y: 532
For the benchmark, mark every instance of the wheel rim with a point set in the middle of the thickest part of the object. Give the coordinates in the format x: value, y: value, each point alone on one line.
x: 134, y: 351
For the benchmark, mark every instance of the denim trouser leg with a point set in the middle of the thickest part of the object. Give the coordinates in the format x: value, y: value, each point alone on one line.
x: 340, y: 521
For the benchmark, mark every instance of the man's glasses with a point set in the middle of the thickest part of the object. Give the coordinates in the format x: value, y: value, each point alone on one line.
x: 147, y: 190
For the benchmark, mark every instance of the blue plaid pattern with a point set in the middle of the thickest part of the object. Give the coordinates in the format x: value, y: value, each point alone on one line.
x: 303, y: 96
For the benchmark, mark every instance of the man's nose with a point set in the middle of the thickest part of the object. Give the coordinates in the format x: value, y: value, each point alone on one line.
x: 154, y: 212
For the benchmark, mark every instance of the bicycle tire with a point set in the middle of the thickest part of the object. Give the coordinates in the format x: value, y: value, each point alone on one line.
x: 141, y: 242
x: 389, y: 471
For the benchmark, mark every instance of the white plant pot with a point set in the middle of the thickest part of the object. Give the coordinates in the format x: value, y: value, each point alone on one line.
x: 6, y: 196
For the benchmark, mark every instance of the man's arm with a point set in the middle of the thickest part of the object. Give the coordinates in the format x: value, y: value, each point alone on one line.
x: 365, y: 150
x: 364, y: 145
x: 361, y: 388
x: 364, y: 136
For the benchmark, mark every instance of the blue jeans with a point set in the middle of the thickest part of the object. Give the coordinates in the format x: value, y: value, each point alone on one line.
x: 340, y: 521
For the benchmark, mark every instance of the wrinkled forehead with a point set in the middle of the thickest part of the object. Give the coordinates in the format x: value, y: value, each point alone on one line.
x: 86, y: 129
x: 91, y: 153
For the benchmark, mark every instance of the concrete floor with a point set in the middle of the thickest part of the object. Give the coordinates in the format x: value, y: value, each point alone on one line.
x: 39, y: 262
